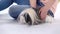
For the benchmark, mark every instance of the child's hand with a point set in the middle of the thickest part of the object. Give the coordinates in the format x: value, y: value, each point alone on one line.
x: 48, y: 4
x: 43, y: 11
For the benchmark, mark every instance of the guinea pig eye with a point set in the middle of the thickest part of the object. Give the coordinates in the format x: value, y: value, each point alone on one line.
x: 28, y: 19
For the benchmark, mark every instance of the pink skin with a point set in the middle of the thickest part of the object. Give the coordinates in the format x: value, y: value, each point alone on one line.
x: 33, y: 3
x: 49, y: 4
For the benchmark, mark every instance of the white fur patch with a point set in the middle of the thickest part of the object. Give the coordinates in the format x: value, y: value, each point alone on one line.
x: 49, y: 19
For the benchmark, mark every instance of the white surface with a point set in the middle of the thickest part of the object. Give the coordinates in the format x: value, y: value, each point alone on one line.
x: 10, y: 26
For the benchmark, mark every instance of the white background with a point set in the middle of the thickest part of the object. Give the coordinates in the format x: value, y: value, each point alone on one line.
x: 10, y: 26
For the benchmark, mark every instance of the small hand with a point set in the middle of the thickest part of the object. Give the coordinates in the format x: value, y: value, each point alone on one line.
x: 43, y: 13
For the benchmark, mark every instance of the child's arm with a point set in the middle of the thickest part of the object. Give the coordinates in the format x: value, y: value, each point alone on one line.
x: 33, y: 3
x: 44, y: 10
x: 54, y: 6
